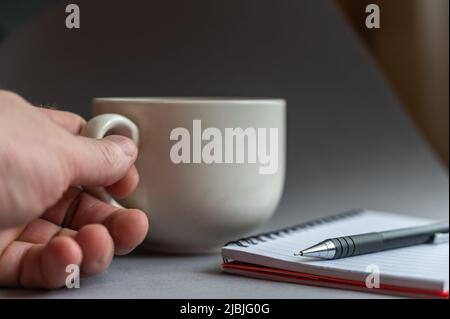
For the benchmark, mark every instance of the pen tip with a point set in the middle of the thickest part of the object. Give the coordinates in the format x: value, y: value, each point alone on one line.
x: 298, y: 254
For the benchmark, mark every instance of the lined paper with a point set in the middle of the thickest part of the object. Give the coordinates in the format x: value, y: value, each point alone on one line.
x: 425, y: 266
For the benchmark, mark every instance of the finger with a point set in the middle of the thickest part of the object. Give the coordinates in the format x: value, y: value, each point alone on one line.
x: 63, y: 211
x: 98, y: 249
x: 100, y: 162
x: 127, y: 227
x: 44, y: 266
x: 126, y: 185
x: 7, y: 236
x: 70, y: 121
x: 10, y: 263
x: 41, y: 231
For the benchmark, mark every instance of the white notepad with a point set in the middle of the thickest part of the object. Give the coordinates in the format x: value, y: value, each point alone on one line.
x: 421, y: 270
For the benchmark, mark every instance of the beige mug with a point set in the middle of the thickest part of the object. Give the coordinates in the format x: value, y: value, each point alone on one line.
x: 211, y: 170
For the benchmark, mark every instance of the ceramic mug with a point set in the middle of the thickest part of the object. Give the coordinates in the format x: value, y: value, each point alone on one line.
x: 211, y: 170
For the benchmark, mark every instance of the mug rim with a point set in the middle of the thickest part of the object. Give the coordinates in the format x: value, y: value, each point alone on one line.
x: 190, y: 100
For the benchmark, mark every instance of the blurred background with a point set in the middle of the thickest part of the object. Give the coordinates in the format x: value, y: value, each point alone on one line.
x: 354, y: 95
x: 411, y: 47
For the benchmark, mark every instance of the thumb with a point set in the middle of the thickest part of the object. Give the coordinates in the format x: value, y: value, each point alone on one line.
x: 102, y: 162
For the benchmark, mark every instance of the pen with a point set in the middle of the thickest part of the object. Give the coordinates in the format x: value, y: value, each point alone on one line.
x: 340, y: 247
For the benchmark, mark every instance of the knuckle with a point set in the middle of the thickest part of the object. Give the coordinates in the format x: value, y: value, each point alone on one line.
x: 11, y: 97
x: 73, y: 117
x: 74, y: 122
x: 109, y: 155
x: 77, y: 118
x: 78, y: 121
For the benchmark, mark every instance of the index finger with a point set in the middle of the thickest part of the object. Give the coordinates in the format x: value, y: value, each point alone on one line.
x: 67, y: 120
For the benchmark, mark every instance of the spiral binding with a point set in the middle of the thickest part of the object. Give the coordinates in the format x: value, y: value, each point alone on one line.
x: 264, y: 237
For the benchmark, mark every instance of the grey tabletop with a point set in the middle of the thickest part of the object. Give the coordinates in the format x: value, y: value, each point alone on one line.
x: 350, y: 143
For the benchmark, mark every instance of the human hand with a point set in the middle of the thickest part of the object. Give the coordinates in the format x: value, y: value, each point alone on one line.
x: 46, y: 220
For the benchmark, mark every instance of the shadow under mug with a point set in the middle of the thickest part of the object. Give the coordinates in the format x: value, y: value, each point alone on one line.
x: 211, y: 170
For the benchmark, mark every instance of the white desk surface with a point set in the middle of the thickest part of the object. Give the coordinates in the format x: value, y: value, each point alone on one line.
x: 350, y: 145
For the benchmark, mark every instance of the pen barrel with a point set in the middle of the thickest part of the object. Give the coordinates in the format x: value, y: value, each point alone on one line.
x: 412, y: 235
x: 372, y: 242
x: 357, y: 245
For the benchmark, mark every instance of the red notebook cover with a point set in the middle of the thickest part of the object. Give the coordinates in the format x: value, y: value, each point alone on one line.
x: 317, y: 280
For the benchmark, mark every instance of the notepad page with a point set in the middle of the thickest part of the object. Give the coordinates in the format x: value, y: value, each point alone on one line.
x: 422, y: 266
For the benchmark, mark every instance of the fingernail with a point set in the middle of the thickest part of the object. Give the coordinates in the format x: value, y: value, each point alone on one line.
x: 125, y: 144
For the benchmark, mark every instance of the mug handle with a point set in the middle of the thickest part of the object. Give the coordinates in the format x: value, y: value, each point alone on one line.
x: 108, y: 124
